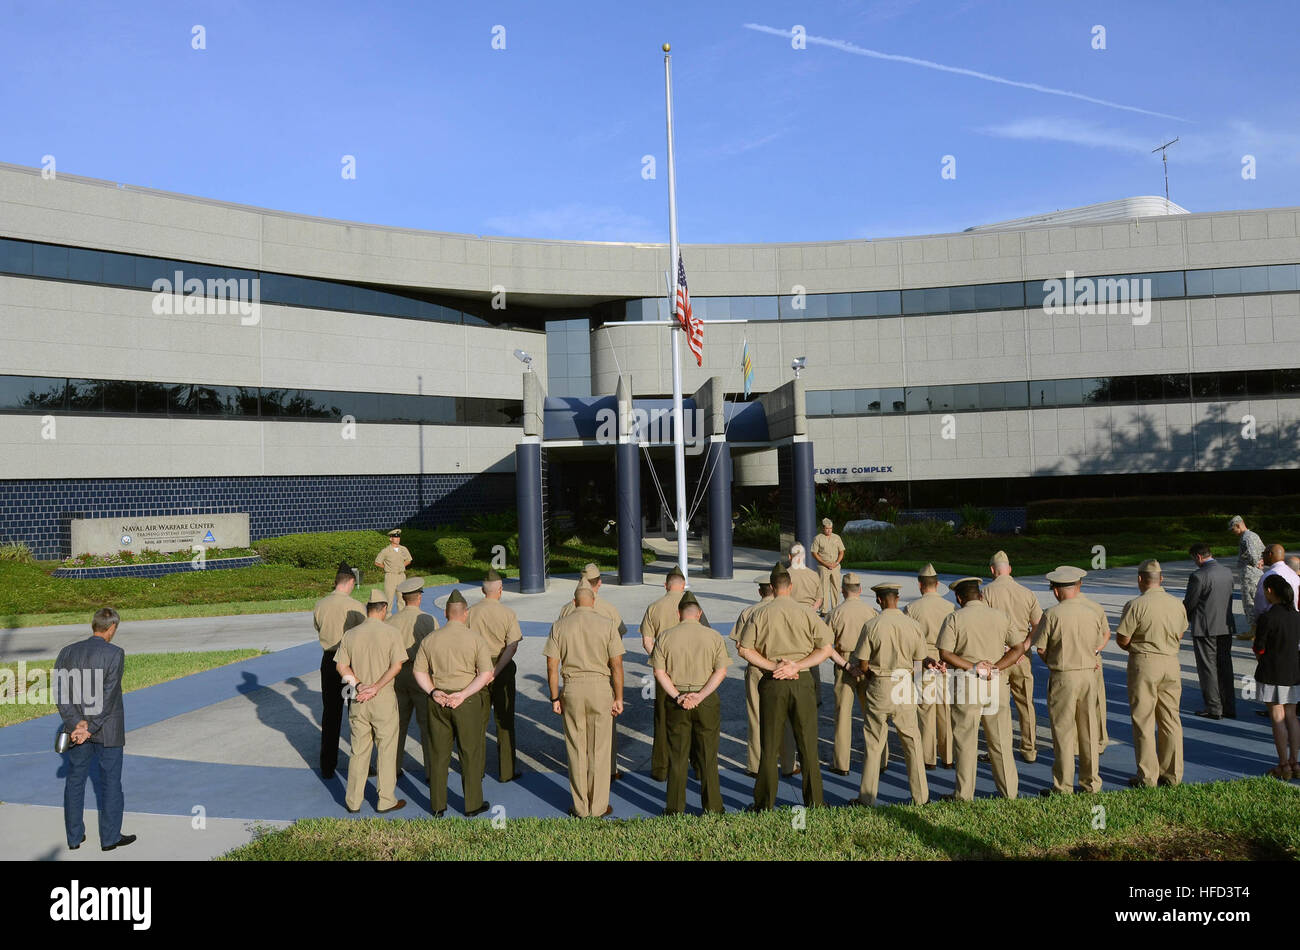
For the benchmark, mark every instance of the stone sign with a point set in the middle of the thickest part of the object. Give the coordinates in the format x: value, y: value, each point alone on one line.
x: 159, y: 533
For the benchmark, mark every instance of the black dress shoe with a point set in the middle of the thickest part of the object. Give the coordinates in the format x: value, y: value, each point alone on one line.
x: 840, y: 771
x: 609, y: 810
x: 1164, y: 783
x: 1049, y: 792
x: 1206, y: 714
x: 401, y: 803
x: 616, y: 776
x: 751, y: 774
x: 373, y: 771
x: 439, y: 814
x: 353, y: 811
x: 327, y: 775
x: 74, y: 847
x: 1135, y: 781
x: 486, y: 806
x: 122, y: 842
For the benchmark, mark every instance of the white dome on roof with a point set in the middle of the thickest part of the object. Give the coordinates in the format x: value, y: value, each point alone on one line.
x: 1143, y: 206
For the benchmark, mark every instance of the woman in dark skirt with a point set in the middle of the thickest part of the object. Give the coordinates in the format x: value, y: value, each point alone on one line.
x: 1277, y: 677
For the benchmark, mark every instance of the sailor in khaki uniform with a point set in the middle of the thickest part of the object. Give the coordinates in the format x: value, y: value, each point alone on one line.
x: 369, y: 657
x: 1100, y: 732
x: 891, y: 646
x: 690, y: 663
x: 452, y: 667
x: 1020, y: 604
x: 806, y: 589
x: 412, y: 625
x: 973, y: 641
x: 1150, y: 630
x: 828, y: 551
x: 498, y: 625
x: 591, y: 579
x: 333, y: 615
x: 846, y: 622
x: 394, y: 560
x: 659, y: 616
x: 752, y: 676
x: 934, y: 710
x: 586, y: 648
x: 1069, y: 637
x: 785, y: 640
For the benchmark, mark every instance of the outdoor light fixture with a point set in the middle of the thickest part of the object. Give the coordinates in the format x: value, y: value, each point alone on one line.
x: 524, y: 358
x: 797, y: 364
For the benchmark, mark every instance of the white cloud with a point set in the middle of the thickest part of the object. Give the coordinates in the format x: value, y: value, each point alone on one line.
x: 1069, y: 132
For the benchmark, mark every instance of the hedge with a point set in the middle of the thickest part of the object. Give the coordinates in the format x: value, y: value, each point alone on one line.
x: 1223, y: 506
x: 430, y: 550
x: 1214, y: 528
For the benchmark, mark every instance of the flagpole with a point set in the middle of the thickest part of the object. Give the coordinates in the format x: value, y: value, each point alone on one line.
x: 679, y: 445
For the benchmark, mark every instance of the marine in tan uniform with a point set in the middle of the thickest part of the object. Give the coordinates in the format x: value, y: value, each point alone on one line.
x: 1101, y: 731
x: 753, y: 674
x: 412, y: 625
x: 828, y: 551
x: 369, y: 657
x: 452, y: 667
x: 1151, y: 627
x: 659, y: 616
x: 806, y: 589
x: 591, y: 579
x: 1020, y: 604
x: 394, y: 560
x: 1069, y: 637
x: 891, y: 646
x: 934, y: 710
x: 690, y: 662
x: 333, y: 615
x: 498, y: 625
x: 785, y: 640
x: 586, y: 648
x: 973, y: 642
x: 846, y: 622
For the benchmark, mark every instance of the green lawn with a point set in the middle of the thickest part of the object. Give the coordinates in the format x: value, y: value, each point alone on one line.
x: 141, y: 670
x: 1245, y: 819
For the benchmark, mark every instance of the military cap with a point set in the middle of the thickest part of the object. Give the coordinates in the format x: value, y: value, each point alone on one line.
x: 344, y: 567
x: 1236, y: 520
x: 491, y: 575
x: 1150, y: 567
x: 676, y: 572
x: 376, y: 597
x: 953, y: 585
x: 999, y: 557
x: 455, y: 597
x: 927, y: 571
x: 827, y: 523
x: 591, y: 572
x: 395, y: 533
x: 887, y: 588
x: 1064, y: 576
x: 1075, y: 573
x: 763, y: 579
x: 852, y: 580
x: 688, y: 600
x: 411, y: 585
x: 583, y: 584
x: 779, y: 573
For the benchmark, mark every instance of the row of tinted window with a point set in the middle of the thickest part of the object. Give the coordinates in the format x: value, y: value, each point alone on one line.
x: 1272, y: 278
x: 29, y: 259
x: 1055, y: 393
x: 127, y: 397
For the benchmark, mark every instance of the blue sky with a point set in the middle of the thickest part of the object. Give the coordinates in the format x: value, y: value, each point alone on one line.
x: 546, y: 137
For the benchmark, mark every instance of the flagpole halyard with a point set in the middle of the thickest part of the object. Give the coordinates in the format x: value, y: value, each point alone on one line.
x: 674, y: 263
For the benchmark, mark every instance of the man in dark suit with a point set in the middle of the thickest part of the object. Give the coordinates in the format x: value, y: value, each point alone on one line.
x: 1208, y: 603
x: 88, y: 692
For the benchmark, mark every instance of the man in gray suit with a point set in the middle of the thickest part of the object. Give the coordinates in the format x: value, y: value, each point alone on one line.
x: 88, y: 692
x: 1208, y: 603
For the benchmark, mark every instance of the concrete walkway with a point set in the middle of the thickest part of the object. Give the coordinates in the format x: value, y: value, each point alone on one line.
x: 241, y: 742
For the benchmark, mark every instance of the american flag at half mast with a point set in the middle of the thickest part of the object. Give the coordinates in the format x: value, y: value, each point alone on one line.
x: 694, y: 328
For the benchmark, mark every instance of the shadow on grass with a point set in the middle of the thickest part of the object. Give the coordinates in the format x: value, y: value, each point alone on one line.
x: 952, y: 842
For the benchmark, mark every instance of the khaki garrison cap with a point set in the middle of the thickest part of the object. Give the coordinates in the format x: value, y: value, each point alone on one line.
x: 395, y: 533
x: 591, y: 572
x: 927, y: 571
x: 677, y: 572
x: 456, y: 597
x: 852, y: 580
x: 886, y: 588
x: 583, y: 584
x: 1000, y: 557
x: 1150, y: 567
x: 964, y: 580
x: 1064, y: 576
x: 827, y: 523
x: 492, y: 575
x: 411, y: 585
x: 376, y: 597
x: 778, y: 573
x: 688, y: 600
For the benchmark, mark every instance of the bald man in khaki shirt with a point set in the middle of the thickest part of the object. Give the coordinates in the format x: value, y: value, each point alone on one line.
x: 935, y: 712
x: 591, y: 578
x: 1020, y: 604
x: 753, y: 675
x: 498, y: 625
x: 659, y: 616
x: 847, y: 622
x: 1150, y: 630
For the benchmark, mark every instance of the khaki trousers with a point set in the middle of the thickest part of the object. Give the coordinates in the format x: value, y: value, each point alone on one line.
x: 889, y: 697
x: 374, y: 723
x: 994, y: 713
x: 847, y: 692
x: 935, y: 718
x: 752, y: 676
x: 412, y: 700
x: 1020, y: 678
x: 588, y: 703
x: 1071, y: 706
x: 1100, y: 732
x: 464, y: 726
x: 1155, y: 688
x: 390, y: 587
x: 831, y: 593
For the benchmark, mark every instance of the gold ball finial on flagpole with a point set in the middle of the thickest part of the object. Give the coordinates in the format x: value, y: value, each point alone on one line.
x: 666, y: 47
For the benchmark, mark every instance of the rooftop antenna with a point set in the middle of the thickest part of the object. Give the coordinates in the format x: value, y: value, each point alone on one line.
x: 1164, y: 157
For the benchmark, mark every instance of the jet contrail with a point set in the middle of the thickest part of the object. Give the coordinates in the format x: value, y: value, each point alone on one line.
x: 847, y: 47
